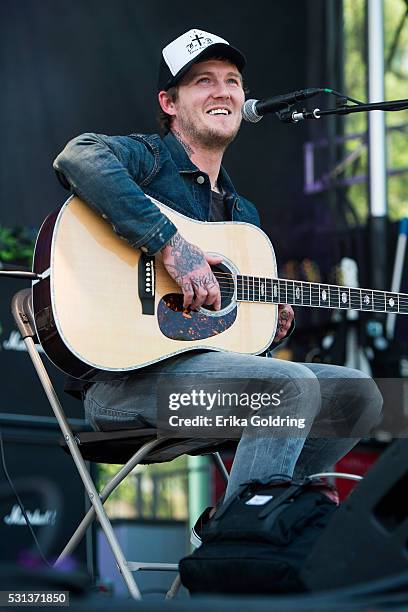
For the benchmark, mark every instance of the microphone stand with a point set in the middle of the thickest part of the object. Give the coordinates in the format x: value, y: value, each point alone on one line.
x: 290, y: 115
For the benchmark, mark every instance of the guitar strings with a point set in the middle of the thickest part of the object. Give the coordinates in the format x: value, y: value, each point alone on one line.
x: 226, y: 281
x: 314, y: 301
x: 222, y: 275
x: 315, y: 293
x: 403, y: 298
x: 230, y: 278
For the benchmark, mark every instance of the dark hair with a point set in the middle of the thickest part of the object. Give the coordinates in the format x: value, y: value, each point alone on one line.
x: 164, y: 120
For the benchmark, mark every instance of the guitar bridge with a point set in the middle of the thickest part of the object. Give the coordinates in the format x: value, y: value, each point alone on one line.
x: 146, y: 283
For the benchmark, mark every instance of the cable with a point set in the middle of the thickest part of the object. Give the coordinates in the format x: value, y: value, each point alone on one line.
x: 20, y: 503
x: 340, y: 95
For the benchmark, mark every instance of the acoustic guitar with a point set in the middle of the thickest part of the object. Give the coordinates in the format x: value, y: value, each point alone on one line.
x: 103, y: 306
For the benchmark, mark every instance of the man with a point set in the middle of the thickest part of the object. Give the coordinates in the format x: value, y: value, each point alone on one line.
x: 201, y: 94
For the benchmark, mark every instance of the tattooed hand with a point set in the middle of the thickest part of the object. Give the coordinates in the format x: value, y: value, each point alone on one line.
x: 285, y: 318
x: 189, y: 267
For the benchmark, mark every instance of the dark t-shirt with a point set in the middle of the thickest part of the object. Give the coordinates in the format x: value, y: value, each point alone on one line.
x: 218, y: 212
x: 218, y: 209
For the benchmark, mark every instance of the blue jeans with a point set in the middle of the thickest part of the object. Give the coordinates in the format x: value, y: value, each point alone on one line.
x: 335, y: 398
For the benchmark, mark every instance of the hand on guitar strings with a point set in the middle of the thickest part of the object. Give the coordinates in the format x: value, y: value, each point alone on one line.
x: 189, y: 266
x: 285, y: 319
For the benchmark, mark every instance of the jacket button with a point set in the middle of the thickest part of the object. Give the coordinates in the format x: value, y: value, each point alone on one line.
x: 200, y: 180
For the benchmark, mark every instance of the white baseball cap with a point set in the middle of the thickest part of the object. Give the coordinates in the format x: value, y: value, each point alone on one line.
x: 189, y: 48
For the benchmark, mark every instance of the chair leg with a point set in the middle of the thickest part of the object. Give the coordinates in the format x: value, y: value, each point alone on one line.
x: 176, y: 584
x: 216, y: 457
x: 81, y: 467
x: 174, y: 589
x: 104, y: 494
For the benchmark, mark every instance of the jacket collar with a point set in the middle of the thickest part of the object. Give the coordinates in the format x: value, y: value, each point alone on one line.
x: 179, y: 155
x: 185, y: 165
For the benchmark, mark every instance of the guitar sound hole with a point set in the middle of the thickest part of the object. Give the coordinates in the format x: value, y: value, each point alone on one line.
x: 226, y: 283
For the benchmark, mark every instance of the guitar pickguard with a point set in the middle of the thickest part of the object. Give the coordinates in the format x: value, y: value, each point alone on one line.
x: 180, y: 323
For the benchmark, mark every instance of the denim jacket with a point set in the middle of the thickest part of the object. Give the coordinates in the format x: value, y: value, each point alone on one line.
x: 113, y: 174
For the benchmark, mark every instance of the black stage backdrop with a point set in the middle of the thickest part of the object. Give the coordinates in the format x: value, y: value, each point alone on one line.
x: 91, y: 65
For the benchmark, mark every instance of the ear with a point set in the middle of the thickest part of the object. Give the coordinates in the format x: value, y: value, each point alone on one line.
x: 166, y: 103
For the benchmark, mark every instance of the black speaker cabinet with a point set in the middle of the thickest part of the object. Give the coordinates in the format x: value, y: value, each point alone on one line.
x: 21, y: 390
x: 367, y: 538
x: 51, y: 490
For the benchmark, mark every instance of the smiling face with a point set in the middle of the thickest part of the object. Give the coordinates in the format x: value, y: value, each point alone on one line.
x: 207, y: 110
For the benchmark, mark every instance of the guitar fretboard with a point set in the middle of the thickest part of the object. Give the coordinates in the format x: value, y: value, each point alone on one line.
x: 302, y: 293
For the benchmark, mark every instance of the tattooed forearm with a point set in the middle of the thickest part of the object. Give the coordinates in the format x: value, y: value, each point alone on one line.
x: 191, y: 269
x: 187, y: 257
x: 185, y: 264
x: 188, y: 149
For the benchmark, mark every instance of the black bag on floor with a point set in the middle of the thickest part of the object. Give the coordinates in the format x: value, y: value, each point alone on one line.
x: 259, y: 540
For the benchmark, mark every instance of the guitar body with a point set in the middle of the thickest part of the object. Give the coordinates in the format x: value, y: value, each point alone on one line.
x: 102, y: 305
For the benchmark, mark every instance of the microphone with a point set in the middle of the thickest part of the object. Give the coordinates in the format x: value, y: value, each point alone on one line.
x: 254, y: 110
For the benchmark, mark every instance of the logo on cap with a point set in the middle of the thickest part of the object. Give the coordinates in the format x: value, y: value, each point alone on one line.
x: 198, y: 43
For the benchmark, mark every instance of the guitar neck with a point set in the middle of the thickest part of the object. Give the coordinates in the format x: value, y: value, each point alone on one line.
x: 318, y: 295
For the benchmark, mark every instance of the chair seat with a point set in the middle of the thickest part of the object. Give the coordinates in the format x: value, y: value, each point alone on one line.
x: 120, y: 445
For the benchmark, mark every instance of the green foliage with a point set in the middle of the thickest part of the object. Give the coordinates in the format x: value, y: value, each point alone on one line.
x: 355, y: 64
x: 396, y: 74
x: 157, y: 491
x: 16, y: 245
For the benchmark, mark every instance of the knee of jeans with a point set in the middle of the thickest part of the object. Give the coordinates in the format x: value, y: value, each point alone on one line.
x: 374, y: 403
x: 298, y: 390
x: 305, y: 381
x: 366, y: 392
x: 291, y: 372
x: 305, y: 388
